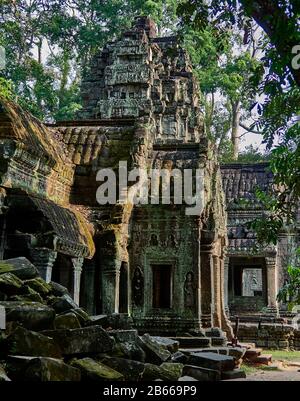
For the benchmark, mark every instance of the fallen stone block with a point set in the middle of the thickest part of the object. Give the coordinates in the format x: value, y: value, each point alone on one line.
x: 10, y: 284
x: 57, y: 289
x: 62, y: 304
x: 98, y: 320
x: 264, y: 359
x: 201, y: 374
x: 187, y: 379
x: 155, y: 352
x: 20, y: 267
x: 211, y: 360
x: 92, y: 370
x: 124, y: 336
x: 42, y: 369
x: 25, y: 342
x: 193, y: 342
x: 131, y: 370
x: 39, y: 285
x: 179, y: 357
x: 119, y: 321
x: 165, y: 372
x: 86, y: 340
x: 169, y: 344
x: 32, y: 315
x: 233, y: 374
x: 129, y: 350
x: 66, y: 321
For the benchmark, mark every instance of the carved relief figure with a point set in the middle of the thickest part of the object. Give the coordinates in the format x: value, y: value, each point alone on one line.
x: 138, y: 287
x: 154, y: 240
x: 189, y: 290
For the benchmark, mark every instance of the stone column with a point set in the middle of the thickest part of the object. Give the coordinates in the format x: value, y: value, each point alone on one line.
x: 226, y: 273
x: 43, y: 259
x: 110, y: 289
x: 272, y: 284
x: 217, y: 291
x: 207, y: 288
x: 77, y: 269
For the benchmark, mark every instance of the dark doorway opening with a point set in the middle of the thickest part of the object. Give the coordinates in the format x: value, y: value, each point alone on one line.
x: 123, y: 294
x: 162, y: 286
x: 62, y: 271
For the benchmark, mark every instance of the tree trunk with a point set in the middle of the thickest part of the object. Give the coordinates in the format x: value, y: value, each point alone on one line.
x: 236, y: 116
x: 273, y: 20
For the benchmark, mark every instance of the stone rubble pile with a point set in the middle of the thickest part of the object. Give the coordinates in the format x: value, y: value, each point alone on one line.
x: 49, y: 338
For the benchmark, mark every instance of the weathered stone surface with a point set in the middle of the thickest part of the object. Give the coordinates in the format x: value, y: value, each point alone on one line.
x: 193, y: 342
x: 20, y: 267
x: 10, y: 284
x: 26, y: 342
x: 63, y: 304
x: 155, y: 352
x: 179, y: 357
x: 129, y: 350
x: 57, y: 289
x: 31, y: 294
x: 82, y: 316
x: 131, y: 370
x: 39, y: 285
x: 165, y: 372
x: 119, y: 321
x: 233, y: 374
x: 124, y: 336
x: 32, y: 315
x: 171, y: 371
x: 212, y: 361
x: 3, y: 375
x: 187, y: 379
x: 96, y: 371
x: 169, y: 344
x: 82, y: 341
x: 98, y: 320
x: 66, y: 321
x: 43, y: 369
x: 201, y: 374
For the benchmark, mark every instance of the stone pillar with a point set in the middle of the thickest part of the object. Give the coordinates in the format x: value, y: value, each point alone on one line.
x: 110, y: 289
x: 87, y: 295
x: 43, y: 259
x: 207, y: 288
x: 226, y: 274
x: 217, y: 292
x: 77, y: 269
x: 272, y: 284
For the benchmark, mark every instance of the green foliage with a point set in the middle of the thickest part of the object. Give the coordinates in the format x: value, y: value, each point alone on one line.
x: 278, y: 111
x: 253, y: 155
x: 290, y: 292
x: 6, y: 88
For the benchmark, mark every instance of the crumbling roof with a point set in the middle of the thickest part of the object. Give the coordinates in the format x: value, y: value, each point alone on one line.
x: 19, y: 125
x: 241, y: 180
x: 72, y: 232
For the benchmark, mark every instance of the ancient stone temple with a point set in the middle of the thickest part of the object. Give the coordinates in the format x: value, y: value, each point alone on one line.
x: 154, y: 262
x: 253, y: 274
x: 167, y: 270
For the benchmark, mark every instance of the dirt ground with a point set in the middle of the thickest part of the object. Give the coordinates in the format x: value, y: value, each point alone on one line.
x: 279, y: 370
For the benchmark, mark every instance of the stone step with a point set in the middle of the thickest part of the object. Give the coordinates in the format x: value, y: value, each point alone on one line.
x: 252, y: 353
x: 201, y: 374
x: 245, y: 345
x: 233, y: 374
x: 210, y: 360
x: 218, y: 341
x: 193, y: 342
x: 263, y: 359
x: 236, y: 352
